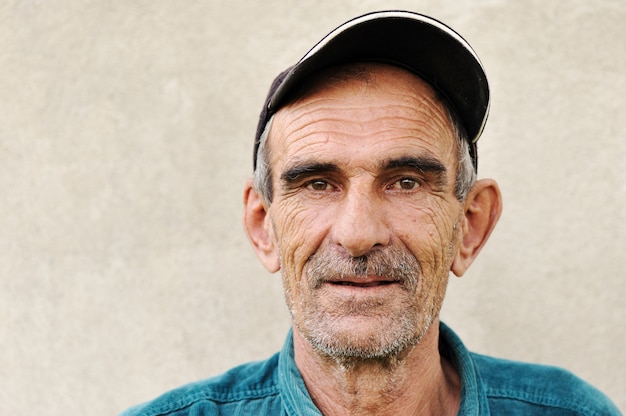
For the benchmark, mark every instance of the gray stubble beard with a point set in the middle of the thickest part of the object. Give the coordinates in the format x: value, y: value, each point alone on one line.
x: 386, y: 348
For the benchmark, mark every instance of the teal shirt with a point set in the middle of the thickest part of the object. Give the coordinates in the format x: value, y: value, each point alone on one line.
x: 489, y: 386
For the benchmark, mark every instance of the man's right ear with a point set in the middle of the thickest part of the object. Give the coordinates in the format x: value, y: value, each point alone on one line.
x: 256, y: 221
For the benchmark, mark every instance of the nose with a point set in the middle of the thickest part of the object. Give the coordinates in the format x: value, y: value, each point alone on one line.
x: 361, y: 225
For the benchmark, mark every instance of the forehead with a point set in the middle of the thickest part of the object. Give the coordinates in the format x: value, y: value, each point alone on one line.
x: 366, y: 109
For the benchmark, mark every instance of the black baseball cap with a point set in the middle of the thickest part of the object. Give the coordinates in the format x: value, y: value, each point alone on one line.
x: 418, y: 43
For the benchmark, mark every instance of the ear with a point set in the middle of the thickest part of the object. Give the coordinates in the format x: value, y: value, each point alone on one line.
x: 256, y: 221
x: 483, y: 207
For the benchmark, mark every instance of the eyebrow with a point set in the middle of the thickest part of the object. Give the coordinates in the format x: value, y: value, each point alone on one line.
x: 426, y: 165
x: 303, y: 169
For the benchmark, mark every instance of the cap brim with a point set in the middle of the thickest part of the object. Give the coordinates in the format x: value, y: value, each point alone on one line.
x: 422, y: 45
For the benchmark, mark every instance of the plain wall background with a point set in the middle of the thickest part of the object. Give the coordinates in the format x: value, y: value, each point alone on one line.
x: 126, y: 134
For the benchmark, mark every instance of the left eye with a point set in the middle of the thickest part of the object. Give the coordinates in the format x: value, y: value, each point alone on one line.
x: 318, y: 185
x: 405, y: 184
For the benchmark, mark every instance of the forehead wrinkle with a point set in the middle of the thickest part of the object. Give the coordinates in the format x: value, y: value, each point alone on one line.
x: 426, y: 121
x: 424, y: 109
x: 387, y: 126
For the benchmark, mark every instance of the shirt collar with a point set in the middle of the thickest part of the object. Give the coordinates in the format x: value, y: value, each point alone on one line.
x: 473, y: 397
x: 296, y: 398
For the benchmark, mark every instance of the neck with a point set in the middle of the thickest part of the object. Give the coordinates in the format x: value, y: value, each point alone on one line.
x: 418, y: 382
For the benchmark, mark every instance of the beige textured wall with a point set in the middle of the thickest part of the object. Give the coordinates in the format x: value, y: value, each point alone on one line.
x: 125, y: 137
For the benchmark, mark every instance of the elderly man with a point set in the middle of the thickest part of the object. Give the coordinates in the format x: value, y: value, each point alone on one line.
x: 365, y: 197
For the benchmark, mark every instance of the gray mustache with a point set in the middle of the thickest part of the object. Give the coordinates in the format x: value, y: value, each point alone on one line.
x: 390, y: 262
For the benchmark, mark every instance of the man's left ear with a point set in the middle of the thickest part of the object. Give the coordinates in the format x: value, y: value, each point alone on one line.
x: 483, y: 207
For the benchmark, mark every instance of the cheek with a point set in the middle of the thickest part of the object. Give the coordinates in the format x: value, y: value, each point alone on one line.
x: 299, y: 232
x: 429, y: 235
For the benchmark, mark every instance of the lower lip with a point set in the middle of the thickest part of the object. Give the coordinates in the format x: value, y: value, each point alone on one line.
x: 366, y: 288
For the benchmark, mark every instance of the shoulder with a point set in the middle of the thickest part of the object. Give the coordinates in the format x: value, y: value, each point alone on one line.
x: 534, y: 388
x: 252, y: 386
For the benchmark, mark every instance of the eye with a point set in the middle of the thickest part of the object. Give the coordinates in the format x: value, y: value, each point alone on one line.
x: 405, y: 184
x: 318, y: 185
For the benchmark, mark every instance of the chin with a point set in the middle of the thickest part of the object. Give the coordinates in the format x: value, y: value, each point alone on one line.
x: 358, y: 339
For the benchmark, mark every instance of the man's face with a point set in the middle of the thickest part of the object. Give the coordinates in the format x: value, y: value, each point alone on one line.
x: 364, y: 214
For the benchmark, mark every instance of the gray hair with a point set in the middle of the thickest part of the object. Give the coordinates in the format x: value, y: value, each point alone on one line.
x: 465, y: 171
x: 262, y: 178
x: 465, y: 174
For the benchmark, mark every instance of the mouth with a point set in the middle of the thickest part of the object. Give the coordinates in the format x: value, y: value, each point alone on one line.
x: 364, y: 283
